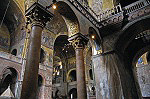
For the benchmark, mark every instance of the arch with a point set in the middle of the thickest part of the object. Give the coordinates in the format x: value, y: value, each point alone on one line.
x: 42, y: 56
x: 69, y: 72
x: 14, y: 52
x: 130, y: 48
x: 130, y: 31
x: 72, y: 75
x: 14, y: 14
x: 40, y: 83
x: 73, y: 93
x: 139, y: 53
x: 62, y: 48
x: 9, y: 78
x: 40, y: 80
x: 70, y: 18
x: 91, y: 74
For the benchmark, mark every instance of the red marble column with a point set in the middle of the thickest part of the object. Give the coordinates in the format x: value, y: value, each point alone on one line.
x: 79, y: 41
x: 37, y: 16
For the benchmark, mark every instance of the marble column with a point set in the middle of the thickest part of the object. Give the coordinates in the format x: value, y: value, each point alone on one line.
x: 79, y: 41
x: 37, y: 16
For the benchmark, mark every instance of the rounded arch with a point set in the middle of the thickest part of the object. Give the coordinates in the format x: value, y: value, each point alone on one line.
x: 14, y: 15
x: 14, y: 52
x: 9, y: 78
x: 70, y: 18
x: 130, y: 31
x: 69, y: 72
x: 73, y: 93
x: 139, y: 53
x: 60, y: 42
x: 131, y: 48
x: 42, y: 56
x: 15, y: 68
x: 40, y: 80
x: 91, y: 74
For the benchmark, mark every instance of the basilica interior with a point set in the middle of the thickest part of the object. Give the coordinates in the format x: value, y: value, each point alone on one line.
x: 74, y: 49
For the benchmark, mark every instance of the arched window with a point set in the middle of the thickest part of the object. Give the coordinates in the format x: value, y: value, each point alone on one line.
x: 9, y: 79
x: 40, y: 80
x: 73, y: 93
x: 42, y: 56
x: 91, y: 74
x: 72, y: 75
x: 14, y: 52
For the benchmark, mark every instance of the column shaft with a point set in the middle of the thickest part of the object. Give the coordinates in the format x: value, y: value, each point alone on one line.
x: 81, y: 82
x: 30, y: 81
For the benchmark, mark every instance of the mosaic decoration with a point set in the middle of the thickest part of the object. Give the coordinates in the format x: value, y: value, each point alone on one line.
x: 4, y: 43
x: 140, y: 61
x: 97, y: 6
x: 18, y: 37
x: 47, y: 40
x: 57, y: 25
x: 73, y: 27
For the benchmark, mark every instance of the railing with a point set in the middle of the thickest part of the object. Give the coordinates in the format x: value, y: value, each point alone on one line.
x: 10, y: 57
x: 136, y: 6
x: 115, y: 11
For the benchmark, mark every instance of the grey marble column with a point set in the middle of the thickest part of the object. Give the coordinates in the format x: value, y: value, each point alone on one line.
x: 79, y: 41
x: 37, y: 16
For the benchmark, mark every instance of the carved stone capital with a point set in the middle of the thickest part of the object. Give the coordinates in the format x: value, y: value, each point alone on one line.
x: 37, y: 15
x: 78, y: 40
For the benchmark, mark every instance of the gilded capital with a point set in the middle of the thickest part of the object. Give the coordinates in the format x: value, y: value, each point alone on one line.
x: 37, y: 15
x: 78, y: 40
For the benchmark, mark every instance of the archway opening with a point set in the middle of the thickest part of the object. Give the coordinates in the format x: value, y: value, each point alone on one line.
x: 70, y: 18
x: 9, y: 79
x: 73, y: 93
x: 14, y: 52
x: 72, y: 76
x: 40, y: 83
x: 91, y: 74
x: 42, y: 56
x: 11, y: 18
x: 133, y: 42
x: 136, y: 62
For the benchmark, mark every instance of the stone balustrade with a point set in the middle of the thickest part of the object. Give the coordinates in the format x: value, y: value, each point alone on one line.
x: 113, y: 15
x: 136, y: 6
